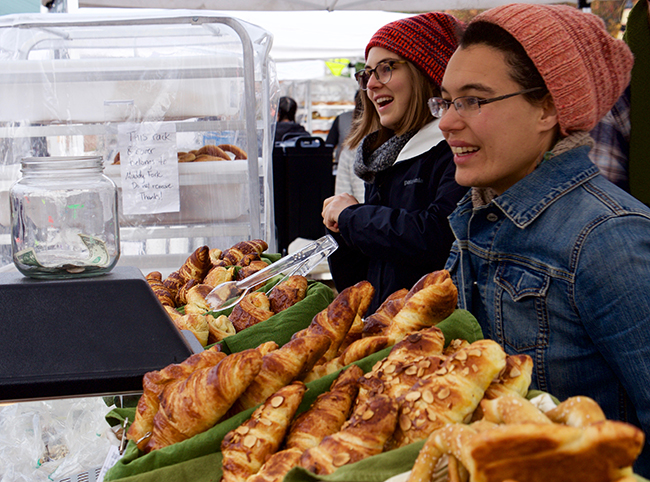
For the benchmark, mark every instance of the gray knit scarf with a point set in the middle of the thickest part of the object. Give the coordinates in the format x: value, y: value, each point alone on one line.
x: 368, y: 163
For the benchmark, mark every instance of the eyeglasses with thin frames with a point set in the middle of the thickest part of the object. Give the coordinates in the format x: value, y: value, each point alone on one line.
x: 468, y: 106
x: 383, y: 73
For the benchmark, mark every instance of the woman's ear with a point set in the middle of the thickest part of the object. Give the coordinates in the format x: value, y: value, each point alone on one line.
x: 548, y: 115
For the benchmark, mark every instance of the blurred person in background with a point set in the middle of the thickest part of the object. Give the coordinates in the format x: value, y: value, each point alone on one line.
x: 346, y: 180
x: 622, y: 143
x: 286, y: 126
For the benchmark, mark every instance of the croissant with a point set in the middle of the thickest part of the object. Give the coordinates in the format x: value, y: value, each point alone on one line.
x: 328, y: 412
x: 173, y: 283
x: 516, y: 377
x: 195, y: 299
x: 162, y: 293
x: 181, y: 296
x: 197, y: 403
x: 364, y: 435
x: 380, y: 320
x: 432, y: 299
x: 219, y: 328
x: 335, y: 320
x: 288, y: 293
x: 426, y: 342
x: 153, y: 384
x: 215, y: 255
x: 282, y: 366
x: 218, y: 275
x: 233, y: 255
x: 251, y: 310
x: 197, y: 324
x: 197, y: 265
x: 277, y: 466
x: 355, y: 352
x: 246, y: 448
x: 356, y: 329
x: 451, y: 394
x: 250, y: 269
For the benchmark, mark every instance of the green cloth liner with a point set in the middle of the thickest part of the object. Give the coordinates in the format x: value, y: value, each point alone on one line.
x: 189, y: 460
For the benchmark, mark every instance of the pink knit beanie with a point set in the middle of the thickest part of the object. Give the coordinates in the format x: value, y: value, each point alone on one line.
x: 427, y: 40
x: 585, y: 69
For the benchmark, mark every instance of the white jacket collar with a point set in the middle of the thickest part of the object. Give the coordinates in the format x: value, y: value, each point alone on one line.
x: 427, y: 137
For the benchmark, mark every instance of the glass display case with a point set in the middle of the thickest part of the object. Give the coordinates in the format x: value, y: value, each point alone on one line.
x: 153, y: 94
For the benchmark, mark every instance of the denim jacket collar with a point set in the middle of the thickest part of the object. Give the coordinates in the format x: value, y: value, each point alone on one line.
x: 553, y: 178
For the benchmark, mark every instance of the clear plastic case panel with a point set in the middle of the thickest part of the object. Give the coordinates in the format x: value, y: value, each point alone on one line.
x: 74, y: 85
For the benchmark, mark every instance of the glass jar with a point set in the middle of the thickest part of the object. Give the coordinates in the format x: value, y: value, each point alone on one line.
x: 64, y: 218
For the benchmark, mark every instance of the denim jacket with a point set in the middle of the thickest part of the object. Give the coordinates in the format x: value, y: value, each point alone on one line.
x: 558, y: 268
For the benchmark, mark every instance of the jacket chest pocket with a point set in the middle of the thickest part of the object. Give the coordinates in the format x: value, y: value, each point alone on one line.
x: 521, y: 315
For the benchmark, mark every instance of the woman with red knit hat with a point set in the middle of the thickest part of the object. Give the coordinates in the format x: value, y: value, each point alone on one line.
x: 551, y: 258
x: 400, y: 232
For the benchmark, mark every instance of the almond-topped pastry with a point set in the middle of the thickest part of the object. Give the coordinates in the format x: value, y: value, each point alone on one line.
x: 246, y: 448
x: 450, y: 394
x: 362, y: 436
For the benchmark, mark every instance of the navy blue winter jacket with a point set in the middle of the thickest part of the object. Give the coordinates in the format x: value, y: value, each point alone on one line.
x: 401, y: 232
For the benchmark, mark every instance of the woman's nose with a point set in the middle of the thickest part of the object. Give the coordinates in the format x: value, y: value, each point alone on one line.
x: 373, y: 83
x: 450, y: 120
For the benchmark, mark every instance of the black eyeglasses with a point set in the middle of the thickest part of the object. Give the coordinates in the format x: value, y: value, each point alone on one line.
x: 468, y: 106
x: 383, y: 73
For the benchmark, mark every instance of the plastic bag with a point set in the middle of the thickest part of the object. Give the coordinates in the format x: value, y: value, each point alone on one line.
x: 51, y: 440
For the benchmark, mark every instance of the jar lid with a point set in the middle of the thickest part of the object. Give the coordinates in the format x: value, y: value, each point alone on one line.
x: 61, y: 163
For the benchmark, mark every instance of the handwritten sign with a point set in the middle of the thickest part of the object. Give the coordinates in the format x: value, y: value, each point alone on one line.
x: 149, y: 168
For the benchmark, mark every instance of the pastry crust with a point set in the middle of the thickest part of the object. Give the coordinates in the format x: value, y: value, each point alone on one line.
x: 362, y: 436
x: 327, y: 414
x: 432, y: 299
x: 451, y: 394
x: 288, y: 293
x: 195, y: 404
x: 251, y: 310
x: 335, y: 320
x: 212, y: 151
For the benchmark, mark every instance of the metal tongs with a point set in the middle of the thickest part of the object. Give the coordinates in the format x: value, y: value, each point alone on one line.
x: 230, y: 293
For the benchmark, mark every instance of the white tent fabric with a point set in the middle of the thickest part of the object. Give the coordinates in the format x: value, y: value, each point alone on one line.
x: 288, y: 5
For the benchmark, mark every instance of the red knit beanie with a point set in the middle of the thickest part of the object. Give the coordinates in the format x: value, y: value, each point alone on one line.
x: 427, y: 40
x: 585, y: 69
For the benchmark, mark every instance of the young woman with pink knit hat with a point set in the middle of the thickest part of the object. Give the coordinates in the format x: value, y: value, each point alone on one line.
x: 401, y: 231
x: 551, y: 258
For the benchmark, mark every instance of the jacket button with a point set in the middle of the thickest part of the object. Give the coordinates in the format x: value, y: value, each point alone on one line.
x: 492, y: 217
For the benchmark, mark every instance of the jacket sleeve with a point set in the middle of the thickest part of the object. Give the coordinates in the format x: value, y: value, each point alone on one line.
x: 407, y: 236
x: 347, y: 265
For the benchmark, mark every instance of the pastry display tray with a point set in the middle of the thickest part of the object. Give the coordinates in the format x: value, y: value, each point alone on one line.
x: 82, y: 337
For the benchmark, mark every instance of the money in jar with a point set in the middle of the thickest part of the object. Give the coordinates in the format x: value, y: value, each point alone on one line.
x: 64, y: 218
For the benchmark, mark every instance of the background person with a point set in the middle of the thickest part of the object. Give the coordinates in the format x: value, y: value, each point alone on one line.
x: 346, y: 180
x: 286, y: 126
x: 401, y: 232
x: 551, y: 258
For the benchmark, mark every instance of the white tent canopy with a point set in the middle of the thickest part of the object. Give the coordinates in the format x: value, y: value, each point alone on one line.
x: 409, y: 6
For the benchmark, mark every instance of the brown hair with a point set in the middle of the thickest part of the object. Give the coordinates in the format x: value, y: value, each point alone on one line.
x: 416, y: 116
